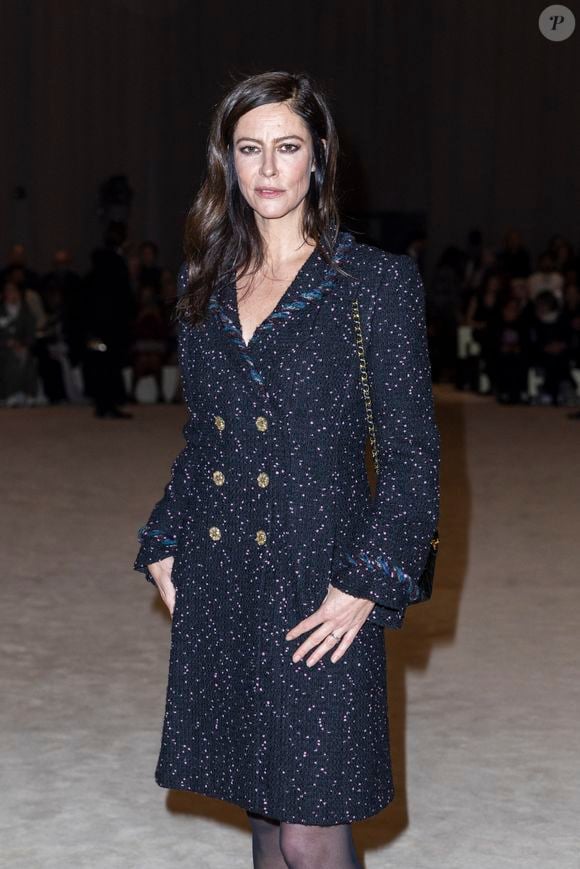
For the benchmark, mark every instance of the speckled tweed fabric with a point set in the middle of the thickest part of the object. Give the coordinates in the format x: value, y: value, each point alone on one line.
x: 267, y: 503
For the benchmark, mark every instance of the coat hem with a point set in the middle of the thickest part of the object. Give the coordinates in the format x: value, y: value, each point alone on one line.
x: 283, y: 815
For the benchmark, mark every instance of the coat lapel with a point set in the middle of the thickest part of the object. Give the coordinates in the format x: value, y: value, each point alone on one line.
x: 293, y: 319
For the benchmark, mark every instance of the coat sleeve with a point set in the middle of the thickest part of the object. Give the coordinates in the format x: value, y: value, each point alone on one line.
x: 159, y: 537
x: 386, y: 556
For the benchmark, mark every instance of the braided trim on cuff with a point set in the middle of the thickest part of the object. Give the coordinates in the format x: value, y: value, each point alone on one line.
x: 156, y: 536
x: 393, y: 571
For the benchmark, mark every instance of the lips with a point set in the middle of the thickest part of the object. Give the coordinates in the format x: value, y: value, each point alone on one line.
x: 269, y: 192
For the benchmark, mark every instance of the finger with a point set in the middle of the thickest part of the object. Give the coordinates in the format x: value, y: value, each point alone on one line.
x: 305, y: 625
x: 344, y: 644
x: 314, y: 639
x: 328, y: 643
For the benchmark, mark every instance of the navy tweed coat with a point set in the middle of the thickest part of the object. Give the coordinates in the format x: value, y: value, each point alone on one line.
x: 266, y: 505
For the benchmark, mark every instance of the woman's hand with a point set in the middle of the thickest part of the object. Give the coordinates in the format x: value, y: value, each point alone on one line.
x: 161, y: 573
x: 339, y: 613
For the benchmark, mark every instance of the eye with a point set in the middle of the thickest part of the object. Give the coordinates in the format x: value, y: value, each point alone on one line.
x: 289, y: 147
x: 248, y: 149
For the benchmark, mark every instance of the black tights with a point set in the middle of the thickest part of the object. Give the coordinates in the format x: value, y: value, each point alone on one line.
x: 281, y: 845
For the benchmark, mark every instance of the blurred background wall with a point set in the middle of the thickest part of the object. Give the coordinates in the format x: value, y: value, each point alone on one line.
x: 461, y: 114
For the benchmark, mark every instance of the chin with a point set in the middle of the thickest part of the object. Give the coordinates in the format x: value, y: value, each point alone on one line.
x: 273, y: 210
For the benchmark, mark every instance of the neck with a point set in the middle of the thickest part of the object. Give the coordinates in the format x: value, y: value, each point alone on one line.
x: 283, y: 239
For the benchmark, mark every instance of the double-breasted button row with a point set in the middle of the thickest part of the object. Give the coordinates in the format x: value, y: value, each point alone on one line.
x: 262, y: 478
x: 220, y: 423
x: 216, y: 534
x: 218, y: 477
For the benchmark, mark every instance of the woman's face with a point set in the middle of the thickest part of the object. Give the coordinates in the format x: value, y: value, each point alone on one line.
x: 273, y: 158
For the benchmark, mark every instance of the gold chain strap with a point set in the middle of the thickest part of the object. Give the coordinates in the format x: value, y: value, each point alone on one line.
x: 360, y: 347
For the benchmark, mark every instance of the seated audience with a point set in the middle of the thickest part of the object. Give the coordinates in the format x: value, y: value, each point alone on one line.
x: 18, y: 368
x: 550, y: 336
x: 571, y: 314
x: 513, y: 259
x: 509, y: 353
x: 547, y: 277
x: 149, y: 345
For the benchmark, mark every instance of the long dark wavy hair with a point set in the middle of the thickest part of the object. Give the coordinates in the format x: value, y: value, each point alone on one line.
x: 220, y: 227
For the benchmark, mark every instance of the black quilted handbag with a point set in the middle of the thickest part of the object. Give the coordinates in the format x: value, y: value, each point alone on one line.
x: 425, y: 582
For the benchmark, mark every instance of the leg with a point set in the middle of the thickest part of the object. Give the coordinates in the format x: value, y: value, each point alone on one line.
x: 266, y: 842
x: 306, y: 847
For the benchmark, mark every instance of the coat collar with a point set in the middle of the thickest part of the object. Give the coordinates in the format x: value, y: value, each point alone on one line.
x: 292, y: 320
x: 313, y: 281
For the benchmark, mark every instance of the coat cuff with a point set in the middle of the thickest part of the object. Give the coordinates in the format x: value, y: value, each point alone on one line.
x: 375, y: 579
x: 380, y: 614
x: 155, y: 545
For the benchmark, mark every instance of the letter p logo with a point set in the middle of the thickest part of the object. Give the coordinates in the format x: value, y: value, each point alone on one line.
x: 557, y: 23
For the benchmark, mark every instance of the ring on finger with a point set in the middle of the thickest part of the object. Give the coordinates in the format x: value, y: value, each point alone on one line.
x: 332, y: 634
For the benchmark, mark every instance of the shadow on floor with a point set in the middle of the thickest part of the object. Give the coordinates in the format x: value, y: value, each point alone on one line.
x: 429, y: 624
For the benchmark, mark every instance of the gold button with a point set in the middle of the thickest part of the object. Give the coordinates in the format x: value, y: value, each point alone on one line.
x: 263, y: 479
x: 260, y: 537
x: 219, y: 422
x: 261, y: 423
x: 218, y: 478
x: 215, y: 533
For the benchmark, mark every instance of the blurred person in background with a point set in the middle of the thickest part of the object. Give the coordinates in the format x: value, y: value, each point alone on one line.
x: 18, y: 275
x: 571, y: 314
x: 168, y: 298
x: 17, y: 259
x: 149, y: 273
x: 509, y: 353
x: 18, y: 368
x: 131, y: 255
x: 58, y: 345
x: 443, y: 306
x: 513, y: 259
x: 479, y: 262
x: 64, y: 283
x: 108, y: 312
x: 50, y: 348
x: 546, y: 277
x: 550, y: 346
x: 149, y: 346
x: 518, y: 289
x: 562, y: 253
x: 480, y: 314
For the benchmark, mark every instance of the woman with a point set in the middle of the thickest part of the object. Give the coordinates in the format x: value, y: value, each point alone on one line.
x: 278, y: 569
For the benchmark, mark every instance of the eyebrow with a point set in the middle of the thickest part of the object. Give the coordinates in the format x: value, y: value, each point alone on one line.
x: 278, y: 139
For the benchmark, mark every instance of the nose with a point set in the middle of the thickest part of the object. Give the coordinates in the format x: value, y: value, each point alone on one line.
x: 268, y: 167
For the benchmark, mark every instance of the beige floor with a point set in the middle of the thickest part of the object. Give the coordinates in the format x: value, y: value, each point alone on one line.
x: 484, y: 683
